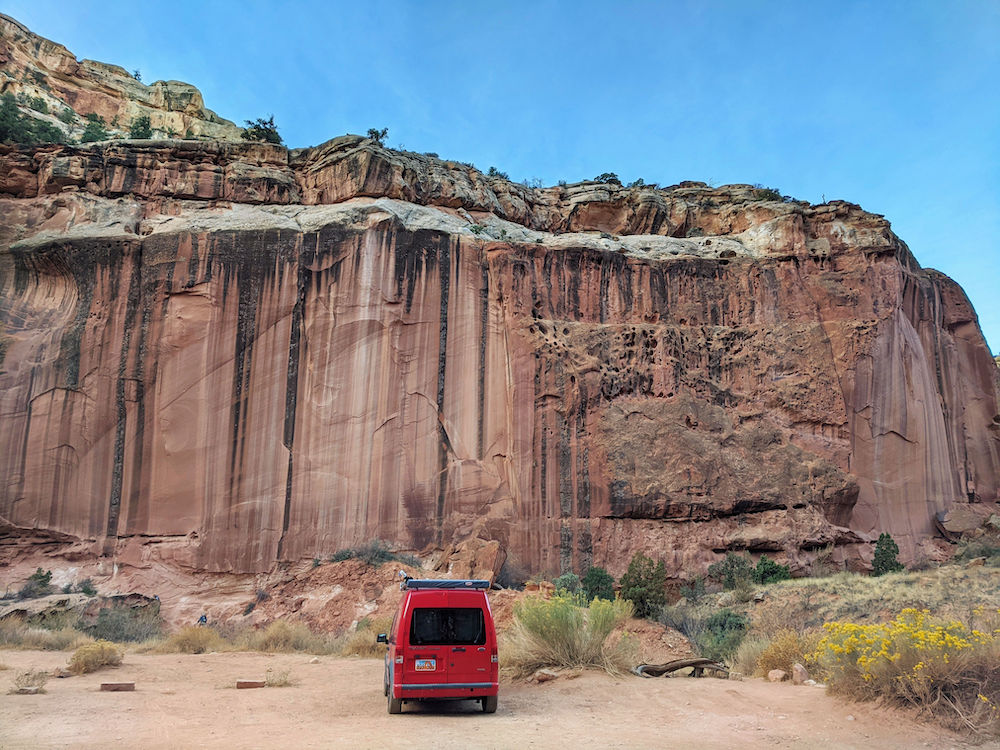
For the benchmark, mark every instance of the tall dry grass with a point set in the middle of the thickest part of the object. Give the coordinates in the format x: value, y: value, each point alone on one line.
x: 558, y: 632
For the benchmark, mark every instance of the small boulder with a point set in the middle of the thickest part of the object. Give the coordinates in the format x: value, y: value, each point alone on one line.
x: 799, y: 674
x: 544, y: 675
x: 777, y: 675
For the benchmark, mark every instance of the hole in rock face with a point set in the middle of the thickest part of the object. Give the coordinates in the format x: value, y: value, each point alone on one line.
x: 572, y: 378
x: 565, y: 332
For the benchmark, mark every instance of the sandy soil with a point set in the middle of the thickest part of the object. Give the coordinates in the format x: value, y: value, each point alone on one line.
x: 190, y: 701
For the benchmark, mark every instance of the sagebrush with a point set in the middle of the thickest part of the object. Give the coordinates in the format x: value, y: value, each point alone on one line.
x: 94, y: 656
x: 558, y: 632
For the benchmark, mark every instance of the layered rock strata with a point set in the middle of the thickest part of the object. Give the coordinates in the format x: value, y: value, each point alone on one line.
x: 273, y: 355
x: 50, y: 77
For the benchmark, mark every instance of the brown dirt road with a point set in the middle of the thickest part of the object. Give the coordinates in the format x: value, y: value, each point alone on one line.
x: 190, y: 701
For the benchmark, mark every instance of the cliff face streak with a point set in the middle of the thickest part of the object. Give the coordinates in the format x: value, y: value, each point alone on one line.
x: 278, y: 355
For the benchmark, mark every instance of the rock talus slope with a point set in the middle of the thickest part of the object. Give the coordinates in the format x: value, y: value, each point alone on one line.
x: 271, y: 355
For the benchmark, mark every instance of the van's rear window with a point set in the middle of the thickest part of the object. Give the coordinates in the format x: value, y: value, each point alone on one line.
x: 439, y: 626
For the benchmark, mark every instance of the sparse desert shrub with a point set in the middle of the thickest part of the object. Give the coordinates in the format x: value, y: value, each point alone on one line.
x: 38, y: 584
x: 938, y: 666
x: 557, y: 632
x: 86, y: 586
x: 44, y: 639
x: 282, y: 636
x: 645, y: 585
x: 278, y: 678
x: 127, y: 624
x: 140, y: 127
x: 985, y: 547
x: 374, y: 553
x: 94, y: 656
x: 885, y: 560
x: 762, y: 193
x: 785, y: 649
x: 193, y: 639
x: 95, y: 130
x: 494, y: 172
x: 362, y: 641
x: 723, y: 632
x: 34, y: 678
x: 693, y: 590
x: 732, y: 572
x: 598, y: 584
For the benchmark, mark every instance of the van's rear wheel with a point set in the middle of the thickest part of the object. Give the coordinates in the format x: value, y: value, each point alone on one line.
x: 489, y: 704
x: 395, y: 704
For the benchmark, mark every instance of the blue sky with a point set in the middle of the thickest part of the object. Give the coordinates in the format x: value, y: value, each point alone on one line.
x: 892, y: 105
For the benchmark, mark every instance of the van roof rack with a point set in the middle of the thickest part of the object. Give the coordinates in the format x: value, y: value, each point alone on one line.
x: 444, y: 583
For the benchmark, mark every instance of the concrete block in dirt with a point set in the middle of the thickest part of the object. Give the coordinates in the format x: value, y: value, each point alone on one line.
x: 117, y: 687
x: 248, y: 684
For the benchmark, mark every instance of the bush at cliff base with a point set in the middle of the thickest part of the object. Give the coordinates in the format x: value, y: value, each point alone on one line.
x: 945, y: 668
x: 557, y: 632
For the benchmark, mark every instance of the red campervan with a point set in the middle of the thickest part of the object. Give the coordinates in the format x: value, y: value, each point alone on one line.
x: 443, y: 645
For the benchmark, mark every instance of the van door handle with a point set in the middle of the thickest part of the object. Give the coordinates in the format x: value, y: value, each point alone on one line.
x: 459, y: 648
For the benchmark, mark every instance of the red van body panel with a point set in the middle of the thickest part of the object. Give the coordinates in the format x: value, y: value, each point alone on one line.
x: 443, y: 645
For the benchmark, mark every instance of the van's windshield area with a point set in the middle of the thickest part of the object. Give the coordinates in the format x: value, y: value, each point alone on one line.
x: 440, y: 626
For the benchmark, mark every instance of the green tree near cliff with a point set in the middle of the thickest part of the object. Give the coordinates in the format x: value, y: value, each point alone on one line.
x: 18, y: 128
x: 96, y: 129
x: 378, y: 136
x: 140, y: 127
x: 262, y: 130
x: 885, y: 560
x: 645, y: 585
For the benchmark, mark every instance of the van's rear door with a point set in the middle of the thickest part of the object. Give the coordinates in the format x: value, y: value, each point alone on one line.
x: 469, y: 656
x: 426, y: 660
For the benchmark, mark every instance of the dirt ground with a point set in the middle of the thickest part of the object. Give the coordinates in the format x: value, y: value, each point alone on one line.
x: 191, y: 701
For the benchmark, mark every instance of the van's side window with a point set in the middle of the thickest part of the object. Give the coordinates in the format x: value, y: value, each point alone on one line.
x: 439, y: 626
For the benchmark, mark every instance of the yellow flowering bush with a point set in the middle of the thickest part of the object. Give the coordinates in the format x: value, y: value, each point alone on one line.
x: 945, y: 667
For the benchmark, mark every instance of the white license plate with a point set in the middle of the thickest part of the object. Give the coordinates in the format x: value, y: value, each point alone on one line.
x: 425, y: 665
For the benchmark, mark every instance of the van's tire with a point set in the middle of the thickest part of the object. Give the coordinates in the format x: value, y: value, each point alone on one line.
x: 395, y: 705
x: 489, y: 704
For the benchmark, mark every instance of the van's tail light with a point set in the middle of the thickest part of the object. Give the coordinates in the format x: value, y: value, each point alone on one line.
x: 399, y: 658
x: 493, y: 656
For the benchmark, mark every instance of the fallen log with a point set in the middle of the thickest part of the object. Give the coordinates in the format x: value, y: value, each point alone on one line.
x: 698, y: 663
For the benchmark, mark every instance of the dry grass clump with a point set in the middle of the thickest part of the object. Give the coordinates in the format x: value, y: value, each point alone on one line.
x: 280, y: 678
x: 748, y: 654
x: 785, y: 649
x: 15, y: 633
x: 193, y: 639
x: 943, y: 668
x: 361, y: 642
x: 557, y: 632
x: 282, y: 636
x: 30, y: 679
x: 94, y: 656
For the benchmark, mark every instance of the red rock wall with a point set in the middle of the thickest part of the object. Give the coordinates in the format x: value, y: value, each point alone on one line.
x: 279, y: 383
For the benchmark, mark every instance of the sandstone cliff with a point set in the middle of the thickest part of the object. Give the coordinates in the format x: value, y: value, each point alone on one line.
x: 227, y: 354
x: 32, y: 67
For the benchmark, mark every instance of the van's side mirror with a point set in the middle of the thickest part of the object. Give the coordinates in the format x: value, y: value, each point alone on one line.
x: 382, y: 638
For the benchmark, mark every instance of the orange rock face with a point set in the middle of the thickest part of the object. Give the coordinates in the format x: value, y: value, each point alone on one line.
x: 275, y: 355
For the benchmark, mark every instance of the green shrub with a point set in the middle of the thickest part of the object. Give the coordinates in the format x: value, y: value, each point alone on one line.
x: 986, y: 548
x: 93, y: 656
x: 127, y: 624
x: 86, y: 586
x: 762, y: 193
x: 569, y: 582
x: 38, y: 584
x: 140, y: 127
x: 723, y: 633
x: 557, y: 632
x: 732, y: 572
x: 608, y: 178
x: 645, y: 585
x: 261, y: 130
x: 693, y: 590
x: 95, y: 130
x: 378, y: 136
x: 598, y: 584
x: 68, y: 116
x: 768, y: 571
x: 885, y: 560
x: 494, y: 172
